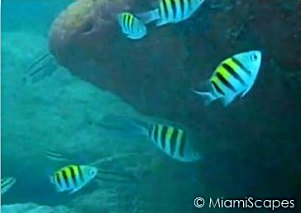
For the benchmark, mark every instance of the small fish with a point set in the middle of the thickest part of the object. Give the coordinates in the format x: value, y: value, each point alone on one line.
x: 174, y: 142
x: 73, y: 177
x: 234, y: 76
x: 131, y: 25
x: 7, y: 183
x: 171, y: 11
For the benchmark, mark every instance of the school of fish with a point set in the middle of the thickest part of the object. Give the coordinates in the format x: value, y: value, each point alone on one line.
x: 233, y: 77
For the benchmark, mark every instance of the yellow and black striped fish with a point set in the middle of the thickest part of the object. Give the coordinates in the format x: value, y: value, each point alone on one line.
x: 173, y: 141
x: 234, y: 76
x: 131, y: 25
x: 171, y: 11
x: 73, y: 177
x: 7, y: 183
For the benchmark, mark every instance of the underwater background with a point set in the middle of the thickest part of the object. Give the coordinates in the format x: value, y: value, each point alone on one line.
x: 250, y: 148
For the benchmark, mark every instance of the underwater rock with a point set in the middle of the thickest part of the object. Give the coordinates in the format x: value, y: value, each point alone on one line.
x: 34, y: 208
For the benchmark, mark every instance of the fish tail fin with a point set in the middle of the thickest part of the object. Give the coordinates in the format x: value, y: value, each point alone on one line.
x: 207, y: 97
x: 149, y: 16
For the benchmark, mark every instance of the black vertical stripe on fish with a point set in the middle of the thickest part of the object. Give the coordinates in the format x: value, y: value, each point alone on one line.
x: 225, y: 82
x: 80, y: 173
x: 128, y: 22
x: 73, y: 174
x: 163, y: 136
x: 65, y: 178
x: 236, y: 61
x: 217, y: 88
x: 173, y: 8
x: 233, y: 73
x: 182, y: 144
x: 165, y: 9
x: 173, y: 141
x: 128, y: 18
x: 58, y: 179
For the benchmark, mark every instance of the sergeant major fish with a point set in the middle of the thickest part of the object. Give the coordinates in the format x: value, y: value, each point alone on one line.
x: 7, y: 183
x: 171, y: 11
x: 234, y: 76
x: 131, y: 25
x: 73, y: 177
x: 173, y: 141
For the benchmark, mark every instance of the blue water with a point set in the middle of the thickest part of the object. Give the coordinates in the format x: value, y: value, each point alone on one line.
x: 62, y: 113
